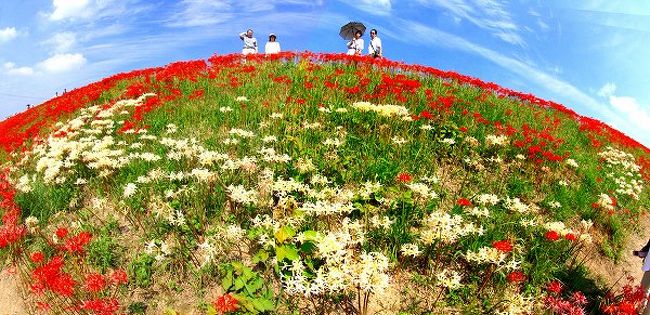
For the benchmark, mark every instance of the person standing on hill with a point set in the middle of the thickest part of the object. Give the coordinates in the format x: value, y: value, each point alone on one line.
x: 645, y: 280
x: 374, y: 47
x: 272, y: 47
x: 355, y: 46
x: 250, y: 43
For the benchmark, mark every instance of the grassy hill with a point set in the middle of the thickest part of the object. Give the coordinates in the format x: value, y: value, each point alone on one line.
x: 313, y: 184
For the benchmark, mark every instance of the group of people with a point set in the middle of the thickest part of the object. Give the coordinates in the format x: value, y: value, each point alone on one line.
x: 250, y: 43
x: 355, y: 46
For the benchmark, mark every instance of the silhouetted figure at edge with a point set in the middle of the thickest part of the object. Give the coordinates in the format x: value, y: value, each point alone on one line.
x: 645, y: 280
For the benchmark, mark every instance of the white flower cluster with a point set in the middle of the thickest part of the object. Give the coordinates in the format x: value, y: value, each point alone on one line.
x: 606, y: 202
x: 496, y: 141
x: 571, y: 163
x: 486, y: 254
x: 515, y: 303
x: 486, y: 199
x: 516, y: 205
x: 624, y: 171
x: 422, y: 190
x: 443, y: 227
x: 387, y: 110
x: 449, y: 279
x: 342, y: 272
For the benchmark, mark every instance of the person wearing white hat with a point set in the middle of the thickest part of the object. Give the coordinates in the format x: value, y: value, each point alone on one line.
x: 272, y: 47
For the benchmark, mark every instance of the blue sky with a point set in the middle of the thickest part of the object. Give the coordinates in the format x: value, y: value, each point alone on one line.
x: 588, y: 55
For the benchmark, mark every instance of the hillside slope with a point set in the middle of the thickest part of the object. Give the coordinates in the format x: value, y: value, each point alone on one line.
x: 313, y: 183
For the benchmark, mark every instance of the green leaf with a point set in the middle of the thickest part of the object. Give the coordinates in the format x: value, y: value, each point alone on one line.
x: 284, y: 233
x: 263, y: 305
x: 226, y: 282
x: 310, y: 235
x: 211, y: 310
x: 261, y: 256
x: 254, y: 285
x: 239, y: 283
x: 286, y: 251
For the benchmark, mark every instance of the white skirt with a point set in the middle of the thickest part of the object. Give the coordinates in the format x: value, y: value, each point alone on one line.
x: 248, y: 51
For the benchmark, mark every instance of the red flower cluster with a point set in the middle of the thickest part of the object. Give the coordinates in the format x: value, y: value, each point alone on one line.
x: 552, y: 236
x: 629, y: 301
x: 503, y: 246
x: 464, y: 202
x: 101, y: 306
x: 10, y: 231
x: 225, y: 304
x: 76, y: 243
x: 572, y: 304
x: 50, y: 277
x: 404, y: 177
x: 516, y: 276
x: 119, y: 277
x: 95, y: 282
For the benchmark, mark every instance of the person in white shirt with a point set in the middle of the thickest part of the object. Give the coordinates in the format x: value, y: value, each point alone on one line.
x: 250, y: 43
x: 375, y: 48
x: 355, y: 46
x: 272, y: 47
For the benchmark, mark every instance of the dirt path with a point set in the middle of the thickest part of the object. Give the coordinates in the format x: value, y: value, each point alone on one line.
x: 11, y: 301
x: 614, y: 275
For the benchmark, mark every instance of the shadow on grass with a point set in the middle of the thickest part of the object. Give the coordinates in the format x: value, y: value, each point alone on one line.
x: 578, y: 279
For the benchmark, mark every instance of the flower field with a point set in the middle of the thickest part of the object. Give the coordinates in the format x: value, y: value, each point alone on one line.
x: 305, y: 183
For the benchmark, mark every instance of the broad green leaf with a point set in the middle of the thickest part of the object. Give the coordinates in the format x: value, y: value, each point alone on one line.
x: 284, y: 233
x: 286, y: 251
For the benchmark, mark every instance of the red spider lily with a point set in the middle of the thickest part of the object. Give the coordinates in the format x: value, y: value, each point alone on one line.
x: 101, y: 306
x: 95, y: 282
x: 579, y: 298
x: 50, y: 276
x: 464, y: 202
x: 118, y: 277
x: 61, y: 233
x: 554, y: 287
x: 516, y: 276
x: 404, y: 177
x: 503, y: 246
x: 76, y: 243
x: 552, y: 236
x: 225, y: 304
x: 36, y: 257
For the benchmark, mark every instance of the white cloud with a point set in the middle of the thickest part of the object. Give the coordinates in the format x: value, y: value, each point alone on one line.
x: 70, y: 9
x: 7, y: 34
x: 490, y: 15
x: 11, y: 69
x: 636, y: 115
x: 61, y: 42
x: 375, y: 7
x: 607, y: 90
x: 201, y: 13
x: 62, y: 63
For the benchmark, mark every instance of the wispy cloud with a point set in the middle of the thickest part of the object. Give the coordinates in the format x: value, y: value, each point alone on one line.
x: 374, y: 7
x: 201, y: 13
x: 634, y: 116
x: 526, y: 71
x: 7, y: 34
x: 61, y: 42
x: 11, y: 69
x: 490, y: 15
